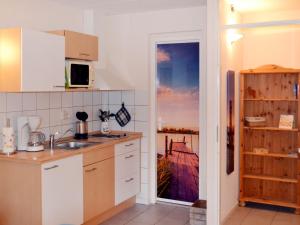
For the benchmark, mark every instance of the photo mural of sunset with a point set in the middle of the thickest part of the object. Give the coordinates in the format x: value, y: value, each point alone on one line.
x: 178, y: 121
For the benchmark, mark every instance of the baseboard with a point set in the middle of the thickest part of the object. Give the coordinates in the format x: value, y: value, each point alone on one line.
x: 143, y: 201
x: 230, y: 213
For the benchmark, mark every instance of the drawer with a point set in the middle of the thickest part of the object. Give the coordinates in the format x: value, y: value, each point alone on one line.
x: 126, y: 188
x: 127, y: 146
x: 127, y: 164
x: 97, y: 155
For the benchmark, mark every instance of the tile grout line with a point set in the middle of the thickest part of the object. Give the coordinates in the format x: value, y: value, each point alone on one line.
x: 246, y: 216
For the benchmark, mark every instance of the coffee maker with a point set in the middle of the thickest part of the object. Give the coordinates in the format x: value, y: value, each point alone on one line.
x: 29, y: 139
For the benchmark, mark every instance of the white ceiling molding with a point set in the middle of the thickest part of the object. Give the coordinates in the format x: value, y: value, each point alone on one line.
x: 112, y: 7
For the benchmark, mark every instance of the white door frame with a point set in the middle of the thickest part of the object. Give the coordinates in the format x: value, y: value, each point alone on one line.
x: 178, y: 37
x: 213, y: 112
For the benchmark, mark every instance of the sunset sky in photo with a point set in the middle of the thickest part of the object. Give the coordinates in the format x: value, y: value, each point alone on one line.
x: 178, y: 85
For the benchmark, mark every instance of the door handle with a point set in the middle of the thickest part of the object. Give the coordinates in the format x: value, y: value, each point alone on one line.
x: 85, y: 54
x: 128, y: 157
x: 51, y: 167
x: 128, y: 145
x: 91, y: 170
x: 129, y: 180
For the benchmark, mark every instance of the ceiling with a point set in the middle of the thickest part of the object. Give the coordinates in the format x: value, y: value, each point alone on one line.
x: 131, y: 6
x: 250, y: 6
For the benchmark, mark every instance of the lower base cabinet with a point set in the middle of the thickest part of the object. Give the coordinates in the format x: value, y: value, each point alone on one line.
x: 62, y: 191
x: 98, y: 182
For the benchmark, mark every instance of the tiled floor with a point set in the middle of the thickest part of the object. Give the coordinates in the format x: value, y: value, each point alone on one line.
x: 256, y: 216
x: 159, y: 214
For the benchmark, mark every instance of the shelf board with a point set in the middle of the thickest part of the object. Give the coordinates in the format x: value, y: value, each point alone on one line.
x: 270, y: 178
x: 275, y: 155
x: 271, y: 99
x: 270, y: 202
x: 271, y: 129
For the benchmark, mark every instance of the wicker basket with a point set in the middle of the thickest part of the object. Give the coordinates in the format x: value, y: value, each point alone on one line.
x: 252, y: 121
x: 198, y: 213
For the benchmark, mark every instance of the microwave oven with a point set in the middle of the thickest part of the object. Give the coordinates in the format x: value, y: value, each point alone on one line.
x: 79, y: 74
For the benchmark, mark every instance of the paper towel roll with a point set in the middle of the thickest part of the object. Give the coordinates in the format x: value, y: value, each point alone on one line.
x: 8, y: 140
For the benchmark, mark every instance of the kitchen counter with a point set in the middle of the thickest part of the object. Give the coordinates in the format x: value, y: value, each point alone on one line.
x: 47, y: 155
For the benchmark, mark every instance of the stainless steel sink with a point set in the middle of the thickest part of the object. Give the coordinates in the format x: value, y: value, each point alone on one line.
x: 74, y: 145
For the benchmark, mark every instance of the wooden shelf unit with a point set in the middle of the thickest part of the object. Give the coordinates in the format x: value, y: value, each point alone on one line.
x: 272, y: 178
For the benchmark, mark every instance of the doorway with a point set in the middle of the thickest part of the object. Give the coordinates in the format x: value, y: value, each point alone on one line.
x: 171, y: 78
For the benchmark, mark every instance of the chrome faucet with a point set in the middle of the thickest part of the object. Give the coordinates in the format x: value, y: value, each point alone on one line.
x: 52, y: 140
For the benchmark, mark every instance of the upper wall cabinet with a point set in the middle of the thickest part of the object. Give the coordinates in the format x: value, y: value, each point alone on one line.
x: 79, y: 45
x: 31, y: 61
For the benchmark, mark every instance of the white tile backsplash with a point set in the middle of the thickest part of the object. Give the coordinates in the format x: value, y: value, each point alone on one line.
x: 67, y: 99
x: 129, y: 127
x: 141, y: 97
x: 55, y: 100
x: 43, y: 100
x: 114, y: 97
x: 45, y: 117
x: 142, y: 113
x: 128, y: 98
x: 14, y: 102
x: 77, y: 98
x: 29, y: 101
x: 142, y: 127
x: 89, y: 111
x: 2, y: 102
x: 104, y: 98
x: 55, y: 117
x: 88, y: 98
x: 95, y: 112
x: 67, y: 114
x: 96, y: 98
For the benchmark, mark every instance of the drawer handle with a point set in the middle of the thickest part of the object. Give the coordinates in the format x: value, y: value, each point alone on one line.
x: 129, y: 180
x: 91, y: 170
x: 51, y: 167
x: 128, y: 145
x: 85, y: 54
x: 59, y: 86
x: 128, y: 157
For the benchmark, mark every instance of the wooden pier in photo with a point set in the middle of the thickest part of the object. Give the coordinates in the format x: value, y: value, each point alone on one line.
x: 184, y: 164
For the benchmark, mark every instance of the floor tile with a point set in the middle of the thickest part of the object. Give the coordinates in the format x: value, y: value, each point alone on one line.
x: 238, y: 216
x: 286, y: 219
x: 259, y: 217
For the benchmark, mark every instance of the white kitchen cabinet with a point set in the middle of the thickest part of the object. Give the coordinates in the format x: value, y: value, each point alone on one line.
x: 127, y: 170
x: 62, y: 191
x: 31, y: 61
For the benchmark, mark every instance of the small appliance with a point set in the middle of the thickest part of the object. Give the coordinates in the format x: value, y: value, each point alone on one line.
x: 79, y: 73
x: 29, y: 139
x: 81, y: 126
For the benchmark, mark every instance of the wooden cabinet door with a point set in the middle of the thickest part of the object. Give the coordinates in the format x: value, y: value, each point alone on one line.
x: 99, y: 193
x: 81, y: 46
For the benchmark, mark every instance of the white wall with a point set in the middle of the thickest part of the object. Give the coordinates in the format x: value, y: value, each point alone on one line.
x: 125, y: 39
x: 125, y: 57
x: 279, y: 45
x: 40, y: 15
x: 231, y: 59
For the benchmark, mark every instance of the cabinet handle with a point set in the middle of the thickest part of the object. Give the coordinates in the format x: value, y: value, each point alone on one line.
x: 128, y: 157
x: 128, y: 145
x: 51, y: 167
x: 91, y: 170
x: 129, y: 180
x: 85, y: 54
